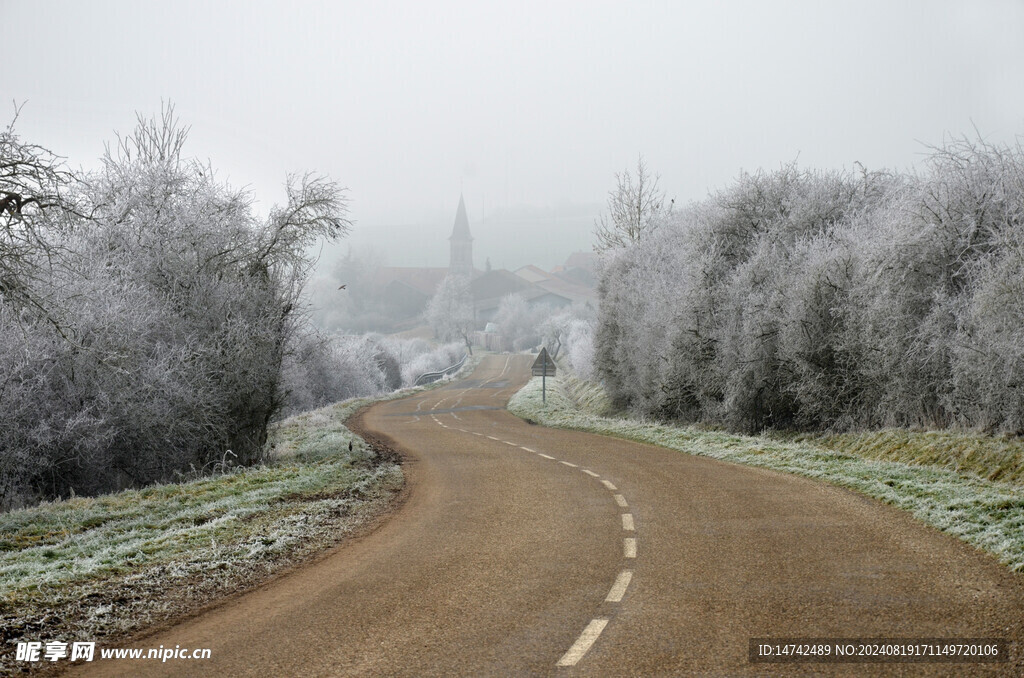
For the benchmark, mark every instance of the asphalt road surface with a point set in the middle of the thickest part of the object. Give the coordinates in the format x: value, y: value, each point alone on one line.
x: 522, y: 550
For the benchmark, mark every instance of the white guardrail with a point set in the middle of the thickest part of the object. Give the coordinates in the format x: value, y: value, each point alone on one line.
x: 431, y: 377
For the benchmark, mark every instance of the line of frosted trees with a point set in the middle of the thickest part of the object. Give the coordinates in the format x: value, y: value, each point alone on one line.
x: 566, y: 332
x: 151, y: 321
x: 807, y: 299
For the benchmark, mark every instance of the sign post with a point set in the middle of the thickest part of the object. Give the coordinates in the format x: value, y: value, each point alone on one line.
x: 544, y: 380
x: 541, y: 369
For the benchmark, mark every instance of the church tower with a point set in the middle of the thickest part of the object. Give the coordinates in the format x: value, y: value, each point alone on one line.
x: 461, y: 262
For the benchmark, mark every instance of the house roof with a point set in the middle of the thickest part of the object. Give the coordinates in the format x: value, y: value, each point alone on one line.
x: 531, y: 273
x: 533, y: 295
x: 423, y: 280
x: 565, y: 288
x: 491, y: 287
x: 577, y: 276
x: 497, y: 283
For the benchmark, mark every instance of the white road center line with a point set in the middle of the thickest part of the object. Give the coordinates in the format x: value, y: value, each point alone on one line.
x: 527, y: 449
x: 629, y: 547
x: 591, y: 473
x: 583, y: 643
x: 627, y: 522
x: 568, y: 464
x: 493, y: 438
x: 508, y: 443
x: 619, y: 587
x: 545, y: 456
x: 621, y: 501
x: 609, y: 485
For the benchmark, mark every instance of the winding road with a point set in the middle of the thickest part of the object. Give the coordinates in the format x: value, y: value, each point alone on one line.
x: 522, y: 550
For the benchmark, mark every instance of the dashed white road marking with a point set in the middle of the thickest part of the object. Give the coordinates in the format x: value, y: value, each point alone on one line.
x: 590, y: 634
x: 583, y: 643
x: 596, y: 626
x: 619, y: 587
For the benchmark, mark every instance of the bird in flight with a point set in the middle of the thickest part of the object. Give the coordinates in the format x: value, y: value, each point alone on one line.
x: 343, y: 287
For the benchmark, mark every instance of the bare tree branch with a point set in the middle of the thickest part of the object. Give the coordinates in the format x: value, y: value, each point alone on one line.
x: 635, y: 209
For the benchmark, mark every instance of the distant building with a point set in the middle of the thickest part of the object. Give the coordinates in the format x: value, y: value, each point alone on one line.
x: 402, y: 293
x: 461, y: 261
x: 580, y: 268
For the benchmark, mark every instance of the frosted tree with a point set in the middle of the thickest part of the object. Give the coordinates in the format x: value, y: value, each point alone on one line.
x: 569, y: 333
x: 177, y: 305
x: 450, y: 311
x: 36, y: 211
x: 518, y: 322
x: 635, y: 209
x: 228, y: 283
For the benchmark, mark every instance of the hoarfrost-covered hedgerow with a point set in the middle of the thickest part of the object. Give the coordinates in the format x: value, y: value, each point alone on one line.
x: 801, y: 299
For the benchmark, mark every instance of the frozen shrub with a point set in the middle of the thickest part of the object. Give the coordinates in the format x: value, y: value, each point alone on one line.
x: 518, y: 322
x: 433, y: 360
x: 450, y: 311
x: 802, y: 299
x: 151, y: 341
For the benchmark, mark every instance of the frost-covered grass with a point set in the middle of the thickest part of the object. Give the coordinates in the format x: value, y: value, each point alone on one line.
x: 987, y: 514
x: 91, y: 567
x: 240, y: 513
x: 998, y: 458
x: 587, y: 396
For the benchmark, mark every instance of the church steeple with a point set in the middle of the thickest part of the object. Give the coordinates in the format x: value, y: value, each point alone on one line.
x: 461, y: 262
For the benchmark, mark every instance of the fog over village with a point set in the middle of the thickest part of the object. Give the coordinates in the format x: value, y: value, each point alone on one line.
x: 646, y: 338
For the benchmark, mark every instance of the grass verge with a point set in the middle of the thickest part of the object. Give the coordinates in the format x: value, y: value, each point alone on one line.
x: 999, y: 458
x: 982, y: 512
x: 102, y: 568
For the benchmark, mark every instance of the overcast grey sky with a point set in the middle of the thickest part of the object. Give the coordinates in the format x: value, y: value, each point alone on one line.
x: 518, y: 104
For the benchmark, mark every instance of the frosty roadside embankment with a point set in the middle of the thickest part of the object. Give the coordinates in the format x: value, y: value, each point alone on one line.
x: 102, y: 568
